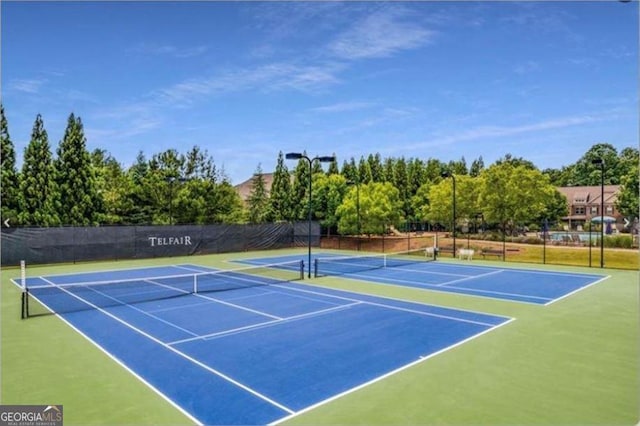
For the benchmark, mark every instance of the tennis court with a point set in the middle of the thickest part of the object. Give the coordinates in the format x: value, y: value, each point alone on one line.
x: 410, y: 270
x: 254, y: 345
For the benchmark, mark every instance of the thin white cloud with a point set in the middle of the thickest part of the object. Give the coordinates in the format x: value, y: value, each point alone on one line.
x: 379, y: 35
x: 270, y: 77
x: 31, y: 86
x: 483, y: 132
x: 343, y: 107
x: 151, y: 49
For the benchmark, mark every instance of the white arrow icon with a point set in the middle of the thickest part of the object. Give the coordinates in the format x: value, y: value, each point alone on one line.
x: 6, y: 223
x: 626, y: 222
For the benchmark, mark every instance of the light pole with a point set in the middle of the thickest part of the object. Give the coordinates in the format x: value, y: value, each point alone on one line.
x: 323, y: 159
x: 446, y: 175
x: 600, y: 162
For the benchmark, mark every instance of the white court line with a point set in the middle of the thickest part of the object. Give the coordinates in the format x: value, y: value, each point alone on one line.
x: 395, y: 307
x: 435, y: 287
x: 427, y: 272
x: 169, y: 323
x: 123, y: 365
x: 470, y: 278
x: 233, y: 305
x: 520, y: 270
x: 384, y: 376
x: 265, y: 324
x: 182, y: 354
x: 577, y: 290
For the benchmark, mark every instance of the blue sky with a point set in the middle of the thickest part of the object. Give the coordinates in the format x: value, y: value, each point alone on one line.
x: 541, y: 80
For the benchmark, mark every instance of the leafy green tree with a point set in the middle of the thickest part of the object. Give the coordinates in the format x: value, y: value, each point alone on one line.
x: 142, y: 195
x: 229, y: 206
x: 198, y: 164
x: 379, y: 208
x: 420, y: 202
x: 40, y: 197
x: 115, y: 186
x: 203, y: 201
x: 556, y: 208
x: 440, y: 196
x: 514, y: 195
x: 458, y: 167
x: 434, y: 169
x: 9, y: 183
x: 417, y: 175
x: 280, y: 207
x: 586, y: 173
x: 628, y: 203
x: 328, y: 193
x: 80, y: 203
x: 258, y: 199
x: 515, y: 161
x: 628, y: 161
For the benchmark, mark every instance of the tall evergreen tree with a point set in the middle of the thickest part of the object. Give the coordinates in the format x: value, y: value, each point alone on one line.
x: 40, y: 197
x: 377, y: 170
x: 299, y: 195
x: 350, y: 170
x: 280, y: 198
x: 258, y: 198
x: 80, y: 203
x: 364, y: 171
x: 417, y: 175
x: 9, y: 183
x: 401, y: 182
x: 477, y: 166
x: 333, y: 166
x: 389, y: 170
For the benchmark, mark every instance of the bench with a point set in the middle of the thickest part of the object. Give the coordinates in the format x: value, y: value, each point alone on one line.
x: 496, y: 252
x: 465, y: 254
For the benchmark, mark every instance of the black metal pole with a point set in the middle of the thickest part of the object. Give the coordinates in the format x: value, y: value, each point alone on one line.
x: 545, y: 225
x: 600, y: 162
x: 309, y: 235
x: 358, y: 212
x: 590, y: 242
x: 454, y: 215
x: 324, y: 159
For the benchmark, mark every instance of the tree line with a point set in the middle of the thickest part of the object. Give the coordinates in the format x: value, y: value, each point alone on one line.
x: 368, y: 195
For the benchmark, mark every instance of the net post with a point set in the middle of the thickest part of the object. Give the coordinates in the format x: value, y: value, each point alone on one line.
x: 24, y: 296
x: 195, y: 283
x: 315, y: 268
x: 302, y: 269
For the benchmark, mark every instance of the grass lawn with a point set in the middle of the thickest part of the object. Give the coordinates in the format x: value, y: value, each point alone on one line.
x: 572, y: 362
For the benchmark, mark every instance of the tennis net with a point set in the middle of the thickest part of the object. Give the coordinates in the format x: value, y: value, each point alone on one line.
x: 72, y: 297
x: 343, y: 265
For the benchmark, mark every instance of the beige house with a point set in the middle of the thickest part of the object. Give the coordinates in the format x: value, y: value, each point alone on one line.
x: 585, y: 203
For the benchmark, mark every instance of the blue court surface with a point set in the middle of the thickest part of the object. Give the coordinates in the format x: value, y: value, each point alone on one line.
x: 253, y: 355
x: 520, y: 285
